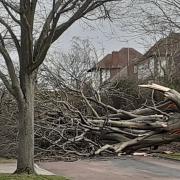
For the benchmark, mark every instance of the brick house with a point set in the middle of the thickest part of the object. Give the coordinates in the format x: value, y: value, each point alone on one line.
x: 116, y: 65
x: 161, y: 61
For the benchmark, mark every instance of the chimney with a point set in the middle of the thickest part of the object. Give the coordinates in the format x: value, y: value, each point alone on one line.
x: 115, y: 59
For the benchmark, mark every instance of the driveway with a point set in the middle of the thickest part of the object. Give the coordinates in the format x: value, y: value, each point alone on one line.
x: 123, y: 168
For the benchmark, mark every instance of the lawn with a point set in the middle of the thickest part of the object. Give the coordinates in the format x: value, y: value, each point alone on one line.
x: 29, y: 177
x: 173, y: 156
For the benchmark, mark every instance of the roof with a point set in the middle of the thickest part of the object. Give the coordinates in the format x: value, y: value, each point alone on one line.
x: 117, y: 59
x: 167, y: 46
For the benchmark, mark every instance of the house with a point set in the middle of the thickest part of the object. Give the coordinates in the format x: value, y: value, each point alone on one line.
x: 161, y: 61
x: 115, y: 65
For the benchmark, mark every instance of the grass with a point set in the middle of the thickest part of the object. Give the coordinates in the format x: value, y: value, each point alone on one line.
x: 30, y: 177
x: 173, y: 156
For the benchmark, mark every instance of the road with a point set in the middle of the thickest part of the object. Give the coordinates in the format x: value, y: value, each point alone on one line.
x: 123, y: 168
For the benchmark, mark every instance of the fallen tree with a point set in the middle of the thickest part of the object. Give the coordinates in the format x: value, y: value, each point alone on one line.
x: 63, y: 130
x: 71, y: 123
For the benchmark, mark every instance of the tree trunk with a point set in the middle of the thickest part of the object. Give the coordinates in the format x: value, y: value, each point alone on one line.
x: 25, y: 159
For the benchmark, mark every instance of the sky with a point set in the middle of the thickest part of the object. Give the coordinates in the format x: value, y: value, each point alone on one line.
x: 105, y: 37
x: 109, y: 36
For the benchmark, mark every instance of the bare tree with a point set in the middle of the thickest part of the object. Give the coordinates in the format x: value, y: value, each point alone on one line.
x: 167, y: 13
x: 71, y: 67
x: 153, y: 17
x: 20, y: 21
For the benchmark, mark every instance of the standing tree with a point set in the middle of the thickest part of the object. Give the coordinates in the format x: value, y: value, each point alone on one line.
x: 19, y: 20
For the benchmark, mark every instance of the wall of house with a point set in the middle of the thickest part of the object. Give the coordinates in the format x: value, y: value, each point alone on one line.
x: 177, y: 67
x: 145, y: 69
x: 105, y: 75
x: 132, y: 72
x: 94, y: 76
x: 123, y: 74
x: 114, y: 71
x: 155, y: 68
x: 162, y: 67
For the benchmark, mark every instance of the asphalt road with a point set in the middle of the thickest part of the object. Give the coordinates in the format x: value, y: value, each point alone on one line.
x: 123, y: 168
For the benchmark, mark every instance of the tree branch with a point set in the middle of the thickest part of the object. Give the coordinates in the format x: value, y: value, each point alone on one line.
x: 10, y: 5
x: 11, y: 14
x: 16, y: 42
x: 15, y: 88
x: 6, y: 83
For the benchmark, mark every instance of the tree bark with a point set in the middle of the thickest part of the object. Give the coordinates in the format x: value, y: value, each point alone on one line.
x: 25, y: 159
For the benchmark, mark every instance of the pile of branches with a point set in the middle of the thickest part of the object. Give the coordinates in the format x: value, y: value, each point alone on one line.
x: 8, y: 130
x: 86, y: 126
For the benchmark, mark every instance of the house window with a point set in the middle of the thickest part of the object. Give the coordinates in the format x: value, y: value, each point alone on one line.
x: 135, y: 69
x: 162, y: 63
x: 146, y: 69
x: 105, y: 75
x: 151, y: 66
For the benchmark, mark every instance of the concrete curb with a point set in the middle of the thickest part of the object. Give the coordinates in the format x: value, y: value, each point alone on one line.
x: 41, y: 171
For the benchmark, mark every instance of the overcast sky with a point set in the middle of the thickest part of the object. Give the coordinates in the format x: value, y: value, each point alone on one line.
x: 106, y: 37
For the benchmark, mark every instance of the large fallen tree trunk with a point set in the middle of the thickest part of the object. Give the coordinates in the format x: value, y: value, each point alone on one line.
x: 71, y: 123
x: 161, y: 129
x: 64, y: 130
